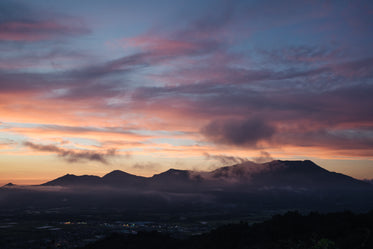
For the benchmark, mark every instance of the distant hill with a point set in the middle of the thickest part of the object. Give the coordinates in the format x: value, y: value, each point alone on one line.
x: 9, y: 185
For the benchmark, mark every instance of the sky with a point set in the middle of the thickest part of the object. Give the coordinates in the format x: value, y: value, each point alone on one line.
x: 87, y: 87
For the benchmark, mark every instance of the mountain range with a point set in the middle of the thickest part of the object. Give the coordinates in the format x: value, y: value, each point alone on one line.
x: 244, y: 176
x: 236, y: 189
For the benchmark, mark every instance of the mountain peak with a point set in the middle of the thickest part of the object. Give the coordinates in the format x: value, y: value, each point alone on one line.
x: 117, y: 173
x: 172, y: 175
x: 9, y: 185
x: 70, y: 179
x: 120, y: 178
x: 175, y: 171
x: 302, y: 167
x: 292, y: 161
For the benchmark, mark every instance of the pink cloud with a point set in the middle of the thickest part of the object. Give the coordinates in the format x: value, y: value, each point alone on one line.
x: 159, y: 44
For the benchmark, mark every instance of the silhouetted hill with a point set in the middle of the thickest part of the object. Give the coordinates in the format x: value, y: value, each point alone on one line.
x: 289, y: 231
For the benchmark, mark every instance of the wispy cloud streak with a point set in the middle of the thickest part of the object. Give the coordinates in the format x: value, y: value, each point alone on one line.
x: 72, y: 155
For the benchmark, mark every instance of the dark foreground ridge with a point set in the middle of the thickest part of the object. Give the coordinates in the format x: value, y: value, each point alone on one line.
x: 290, y: 231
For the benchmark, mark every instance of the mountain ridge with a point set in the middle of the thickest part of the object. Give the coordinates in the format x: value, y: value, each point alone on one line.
x: 275, y: 185
x: 277, y: 173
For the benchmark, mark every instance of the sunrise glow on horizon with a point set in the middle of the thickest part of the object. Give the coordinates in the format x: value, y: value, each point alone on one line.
x: 88, y: 87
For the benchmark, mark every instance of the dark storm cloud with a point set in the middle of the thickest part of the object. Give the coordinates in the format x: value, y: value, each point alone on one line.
x: 73, y: 156
x: 238, y: 132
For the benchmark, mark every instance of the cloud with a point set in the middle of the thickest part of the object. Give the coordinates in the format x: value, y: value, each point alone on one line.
x: 6, y: 143
x: 328, y: 119
x: 305, y: 54
x: 79, y: 130
x: 205, y: 36
x: 225, y: 160
x: 238, y: 132
x: 6, y: 140
x: 263, y: 157
x: 22, y: 23
x: 37, y: 31
x: 53, y: 58
x: 73, y: 156
x: 343, y: 140
x: 145, y: 166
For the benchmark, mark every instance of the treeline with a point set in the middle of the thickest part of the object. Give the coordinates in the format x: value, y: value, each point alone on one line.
x: 292, y: 230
